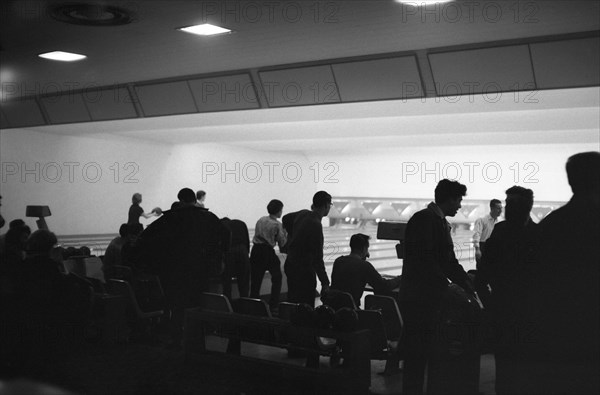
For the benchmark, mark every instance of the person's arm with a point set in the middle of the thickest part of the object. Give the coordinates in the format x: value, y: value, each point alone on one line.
x: 423, y: 247
x: 477, y: 230
x: 454, y: 270
x: 317, y: 262
x: 280, y: 235
x: 379, y: 284
x: 156, y: 212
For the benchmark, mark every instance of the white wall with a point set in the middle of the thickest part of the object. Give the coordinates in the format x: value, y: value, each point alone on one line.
x: 487, y: 171
x: 87, y: 182
x: 240, y: 182
x: 48, y: 169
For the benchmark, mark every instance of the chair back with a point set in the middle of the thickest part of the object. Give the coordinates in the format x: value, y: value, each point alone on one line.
x: 123, y: 288
x: 338, y: 299
x: 75, y: 266
x: 372, y: 320
x: 286, y: 309
x: 93, y: 268
x: 251, y: 306
x: 391, y: 314
x: 123, y: 273
x: 215, y: 302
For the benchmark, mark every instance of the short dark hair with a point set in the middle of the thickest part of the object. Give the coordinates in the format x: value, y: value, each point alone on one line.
x: 123, y: 230
x: 186, y: 195
x: 321, y: 199
x: 583, y: 172
x: 274, y: 206
x: 359, y: 241
x: 200, y: 194
x: 41, y: 241
x: 494, y: 202
x: 447, y: 190
x: 16, y: 223
x: 524, y: 193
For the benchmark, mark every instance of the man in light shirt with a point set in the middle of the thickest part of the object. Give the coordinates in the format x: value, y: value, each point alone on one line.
x: 484, y: 227
x: 267, y: 233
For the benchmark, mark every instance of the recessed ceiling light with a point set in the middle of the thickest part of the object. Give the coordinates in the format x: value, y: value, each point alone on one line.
x: 419, y: 3
x: 205, y: 29
x: 62, y: 56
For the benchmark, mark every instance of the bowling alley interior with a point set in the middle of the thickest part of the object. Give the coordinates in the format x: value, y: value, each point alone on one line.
x: 374, y: 102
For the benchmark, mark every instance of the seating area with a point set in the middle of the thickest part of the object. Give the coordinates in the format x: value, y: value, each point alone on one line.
x: 252, y: 324
x: 355, y: 354
x: 301, y: 330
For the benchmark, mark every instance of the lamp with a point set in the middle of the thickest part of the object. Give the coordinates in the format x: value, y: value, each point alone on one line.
x: 40, y: 212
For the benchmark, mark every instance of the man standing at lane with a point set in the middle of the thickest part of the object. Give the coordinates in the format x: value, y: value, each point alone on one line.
x: 428, y: 264
x: 482, y: 232
x: 305, y: 252
x: 184, y: 248
x: 507, y: 266
x: 267, y: 233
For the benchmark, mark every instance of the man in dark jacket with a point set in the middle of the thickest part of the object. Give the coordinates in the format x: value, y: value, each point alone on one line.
x: 507, y: 265
x: 565, y: 292
x: 428, y: 264
x: 305, y: 252
x: 184, y: 248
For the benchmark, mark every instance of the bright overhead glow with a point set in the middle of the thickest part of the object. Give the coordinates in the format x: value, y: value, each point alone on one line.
x: 205, y: 30
x: 419, y: 3
x: 62, y: 56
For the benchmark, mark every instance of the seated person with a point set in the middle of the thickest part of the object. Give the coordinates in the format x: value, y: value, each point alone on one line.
x: 352, y: 272
x: 112, y: 256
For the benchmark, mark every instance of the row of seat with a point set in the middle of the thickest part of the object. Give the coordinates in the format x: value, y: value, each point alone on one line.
x: 381, y: 317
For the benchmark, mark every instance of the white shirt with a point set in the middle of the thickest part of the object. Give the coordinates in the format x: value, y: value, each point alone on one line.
x: 483, y: 229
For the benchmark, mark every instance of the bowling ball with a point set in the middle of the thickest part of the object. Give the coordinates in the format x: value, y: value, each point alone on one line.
x: 303, y: 315
x: 345, y: 320
x: 324, y: 316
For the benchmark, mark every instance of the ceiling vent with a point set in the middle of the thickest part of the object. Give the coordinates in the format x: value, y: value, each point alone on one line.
x: 91, y: 14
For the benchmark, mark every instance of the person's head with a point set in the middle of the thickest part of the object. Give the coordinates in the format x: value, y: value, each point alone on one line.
x: 123, y: 230
x: 448, y: 196
x: 359, y: 245
x: 85, y: 251
x: 583, y: 172
x: 136, y: 198
x: 16, y: 237
x: 519, y: 202
x: 275, y: 208
x: 200, y: 196
x: 495, y: 208
x: 41, y: 242
x: 16, y: 223
x: 187, y: 197
x: 321, y: 203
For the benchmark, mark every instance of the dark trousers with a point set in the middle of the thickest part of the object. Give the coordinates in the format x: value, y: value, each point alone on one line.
x: 419, y: 326
x: 237, y: 264
x: 182, y: 292
x: 263, y: 258
x: 302, y: 284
